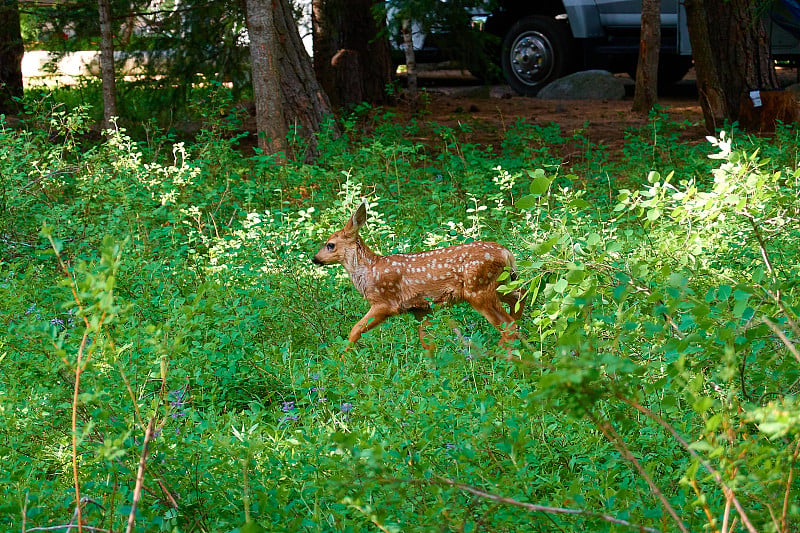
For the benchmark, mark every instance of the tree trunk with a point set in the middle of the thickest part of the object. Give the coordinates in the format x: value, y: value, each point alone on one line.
x: 351, y: 61
x: 107, y: 64
x: 411, y: 64
x: 712, y: 101
x: 646, y: 92
x: 305, y: 104
x: 11, y: 52
x: 270, y: 120
x: 741, y: 51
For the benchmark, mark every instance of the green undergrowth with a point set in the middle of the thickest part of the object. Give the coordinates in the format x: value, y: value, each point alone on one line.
x: 161, y: 308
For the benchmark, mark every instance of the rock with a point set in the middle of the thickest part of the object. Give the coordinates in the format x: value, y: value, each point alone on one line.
x: 501, y: 91
x: 586, y: 85
x: 794, y: 88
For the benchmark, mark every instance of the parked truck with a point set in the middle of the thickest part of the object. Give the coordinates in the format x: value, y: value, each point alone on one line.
x: 542, y: 40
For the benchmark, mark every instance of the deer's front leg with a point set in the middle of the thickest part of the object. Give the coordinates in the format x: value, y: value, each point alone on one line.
x: 374, y: 317
x: 423, y: 317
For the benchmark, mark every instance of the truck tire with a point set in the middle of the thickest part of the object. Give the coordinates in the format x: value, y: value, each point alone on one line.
x: 536, y: 50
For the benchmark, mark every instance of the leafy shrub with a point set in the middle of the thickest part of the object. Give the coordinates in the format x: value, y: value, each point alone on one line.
x: 161, y: 308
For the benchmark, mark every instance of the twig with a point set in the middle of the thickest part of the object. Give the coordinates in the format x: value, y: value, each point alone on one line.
x: 67, y: 527
x: 782, y: 336
x: 137, y: 491
x: 711, y: 470
x: 525, y: 505
x: 706, y: 510
x: 607, y: 429
x: 762, y: 246
x: 727, y: 513
x: 24, y: 512
x: 784, y: 523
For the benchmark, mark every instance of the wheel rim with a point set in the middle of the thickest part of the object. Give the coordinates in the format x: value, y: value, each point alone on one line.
x: 531, y: 57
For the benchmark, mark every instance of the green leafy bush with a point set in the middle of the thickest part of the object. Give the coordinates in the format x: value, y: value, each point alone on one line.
x: 161, y: 310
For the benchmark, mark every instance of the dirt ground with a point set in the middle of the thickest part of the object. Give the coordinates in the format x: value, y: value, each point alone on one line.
x: 454, y: 97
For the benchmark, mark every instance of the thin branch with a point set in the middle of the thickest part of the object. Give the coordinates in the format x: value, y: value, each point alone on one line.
x: 525, y: 505
x: 137, y: 491
x: 784, y: 523
x: 782, y: 336
x: 726, y: 514
x: 704, y: 504
x: 76, y: 391
x: 711, y: 470
x: 608, y: 430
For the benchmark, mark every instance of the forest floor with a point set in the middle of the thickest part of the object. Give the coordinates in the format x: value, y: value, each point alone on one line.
x: 453, y: 98
x: 483, y: 114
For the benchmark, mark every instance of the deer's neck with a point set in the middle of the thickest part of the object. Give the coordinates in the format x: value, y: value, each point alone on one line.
x: 358, y: 263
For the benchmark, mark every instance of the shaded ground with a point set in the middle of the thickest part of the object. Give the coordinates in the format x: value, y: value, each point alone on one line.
x: 456, y: 100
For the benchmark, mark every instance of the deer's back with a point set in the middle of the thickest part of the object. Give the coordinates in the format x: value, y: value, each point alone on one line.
x: 440, y: 276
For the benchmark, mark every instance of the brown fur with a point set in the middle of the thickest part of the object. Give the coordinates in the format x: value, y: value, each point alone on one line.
x: 411, y: 283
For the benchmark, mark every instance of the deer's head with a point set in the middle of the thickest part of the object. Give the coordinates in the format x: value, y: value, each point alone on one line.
x: 343, y: 243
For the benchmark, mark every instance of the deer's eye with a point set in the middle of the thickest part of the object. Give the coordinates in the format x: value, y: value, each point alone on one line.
x: 330, y: 246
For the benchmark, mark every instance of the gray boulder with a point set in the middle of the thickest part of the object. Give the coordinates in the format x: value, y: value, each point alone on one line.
x: 586, y: 85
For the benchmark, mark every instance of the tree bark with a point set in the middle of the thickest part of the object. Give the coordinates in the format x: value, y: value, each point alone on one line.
x: 288, y: 98
x: 352, y: 62
x: 11, y: 52
x: 646, y: 92
x: 107, y: 64
x: 741, y: 51
x: 305, y: 104
x: 411, y: 64
x: 270, y: 121
x: 712, y: 101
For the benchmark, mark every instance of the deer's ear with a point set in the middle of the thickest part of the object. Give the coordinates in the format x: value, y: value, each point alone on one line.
x: 358, y: 219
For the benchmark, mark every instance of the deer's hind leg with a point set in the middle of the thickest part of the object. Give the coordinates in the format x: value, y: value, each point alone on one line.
x: 512, y: 299
x: 488, y: 304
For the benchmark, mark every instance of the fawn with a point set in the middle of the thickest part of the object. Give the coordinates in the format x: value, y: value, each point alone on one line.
x: 413, y: 282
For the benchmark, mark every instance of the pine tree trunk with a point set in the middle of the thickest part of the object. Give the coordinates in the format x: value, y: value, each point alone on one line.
x: 712, y: 101
x: 305, y: 104
x: 270, y: 121
x: 288, y: 97
x: 741, y: 51
x: 11, y: 52
x: 646, y: 93
x: 107, y: 64
x: 411, y: 65
x: 352, y: 61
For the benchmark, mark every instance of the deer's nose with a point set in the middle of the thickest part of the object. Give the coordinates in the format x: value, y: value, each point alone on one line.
x: 316, y: 261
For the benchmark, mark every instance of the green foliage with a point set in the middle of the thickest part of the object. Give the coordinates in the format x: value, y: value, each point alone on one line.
x: 149, y: 282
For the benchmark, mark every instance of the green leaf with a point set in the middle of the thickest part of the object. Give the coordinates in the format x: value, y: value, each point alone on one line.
x: 546, y: 246
x: 251, y: 527
x: 560, y: 285
x: 526, y: 202
x: 723, y: 292
x: 539, y: 185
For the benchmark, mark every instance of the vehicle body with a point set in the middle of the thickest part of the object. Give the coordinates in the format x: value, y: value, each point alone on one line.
x: 545, y: 39
x: 538, y: 41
